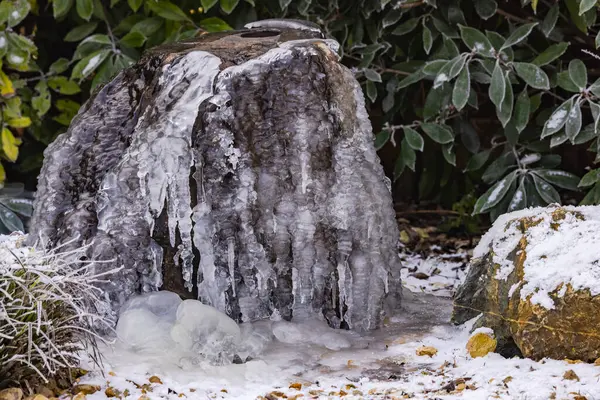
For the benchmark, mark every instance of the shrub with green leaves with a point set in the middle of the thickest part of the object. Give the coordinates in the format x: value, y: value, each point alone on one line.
x: 47, y: 305
x: 469, y: 97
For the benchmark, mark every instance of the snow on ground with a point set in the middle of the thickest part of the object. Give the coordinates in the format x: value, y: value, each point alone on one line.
x: 377, y: 366
x: 381, y: 365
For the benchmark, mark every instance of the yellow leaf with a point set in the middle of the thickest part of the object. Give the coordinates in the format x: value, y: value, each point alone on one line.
x: 22, y: 122
x: 481, y: 344
x: 2, y: 175
x: 6, y: 86
x: 10, y: 149
x: 426, y: 351
x: 534, y: 5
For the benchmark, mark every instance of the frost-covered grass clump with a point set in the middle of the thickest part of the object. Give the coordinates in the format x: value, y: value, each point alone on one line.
x: 47, y: 312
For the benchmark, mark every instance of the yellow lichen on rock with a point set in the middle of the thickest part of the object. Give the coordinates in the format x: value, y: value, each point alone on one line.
x: 481, y: 344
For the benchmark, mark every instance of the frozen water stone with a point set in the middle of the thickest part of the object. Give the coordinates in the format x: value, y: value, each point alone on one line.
x: 163, y: 304
x: 205, y: 333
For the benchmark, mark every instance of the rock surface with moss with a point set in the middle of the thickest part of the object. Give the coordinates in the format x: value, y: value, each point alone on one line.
x: 535, y: 280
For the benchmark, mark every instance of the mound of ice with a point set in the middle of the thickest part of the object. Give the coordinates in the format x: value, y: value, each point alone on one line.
x: 204, y: 331
x: 161, y: 322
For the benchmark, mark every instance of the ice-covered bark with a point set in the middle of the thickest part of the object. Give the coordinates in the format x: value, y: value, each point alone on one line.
x: 243, y: 164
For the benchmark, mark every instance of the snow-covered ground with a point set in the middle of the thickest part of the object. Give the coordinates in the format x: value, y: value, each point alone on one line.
x: 381, y: 365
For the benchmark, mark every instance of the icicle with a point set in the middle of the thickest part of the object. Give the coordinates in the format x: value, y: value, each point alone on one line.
x: 231, y: 262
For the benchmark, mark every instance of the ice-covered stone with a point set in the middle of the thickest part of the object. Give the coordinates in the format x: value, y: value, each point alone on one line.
x: 238, y: 169
x: 204, y: 332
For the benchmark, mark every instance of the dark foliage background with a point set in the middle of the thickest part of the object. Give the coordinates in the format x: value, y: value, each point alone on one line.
x: 484, y: 107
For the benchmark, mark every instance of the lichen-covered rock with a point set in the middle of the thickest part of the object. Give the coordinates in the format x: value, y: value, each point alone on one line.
x: 236, y: 168
x: 535, y: 280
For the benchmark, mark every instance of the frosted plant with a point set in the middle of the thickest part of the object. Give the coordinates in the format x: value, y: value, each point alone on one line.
x: 48, y: 302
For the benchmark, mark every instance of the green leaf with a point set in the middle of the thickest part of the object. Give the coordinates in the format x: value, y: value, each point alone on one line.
x: 497, y: 90
x: 578, y: 20
x: 406, y: 27
x: 432, y: 68
x: 18, y: 12
x: 574, y: 121
x: 62, y: 85
x: 504, y: 112
x: 597, y: 40
x: 495, y: 194
x: 593, y: 196
x: 485, y: 8
x: 444, y: 29
x: 167, y: 10
x: 371, y: 90
x: 215, y: 24
x: 550, y: 54
x: 410, y: 79
x: 589, y: 179
x: 586, y: 5
x: 559, y: 178
x: 41, y: 102
x: 81, y: 32
x: 85, y: 8
x: 519, y: 199
x: 519, y: 35
x: 456, y: 66
x: 10, y: 220
x: 381, y: 139
x: 595, y: 88
x: 208, y: 4
x: 408, y: 154
x: 564, y: 81
x: 437, y: 99
x: 59, y: 66
x: 148, y: 26
x: 89, y: 64
x: 521, y: 115
x: 468, y: 135
x: 549, y: 21
x: 372, y: 75
x: 558, y: 139
x: 61, y: 7
x: 229, y: 5
x: 545, y: 190
x: 578, y: 73
x: 413, y: 138
x: 133, y: 39
x: 448, y: 153
x: 533, y: 75
x: 427, y: 39
x: 135, y: 4
x: 558, y: 119
x: 595, y: 108
x: 476, y: 41
x: 462, y: 88
x: 439, y: 133
x: 477, y: 160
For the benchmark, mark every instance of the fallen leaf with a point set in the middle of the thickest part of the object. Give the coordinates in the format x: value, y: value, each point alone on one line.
x: 112, y: 392
x: 480, y: 345
x: 426, y: 351
x: 573, y: 361
x: 296, y: 385
x: 112, y: 373
x: 571, y: 375
x: 86, y: 389
x: 155, y: 379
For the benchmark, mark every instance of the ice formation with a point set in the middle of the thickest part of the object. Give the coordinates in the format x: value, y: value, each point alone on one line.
x: 241, y: 165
